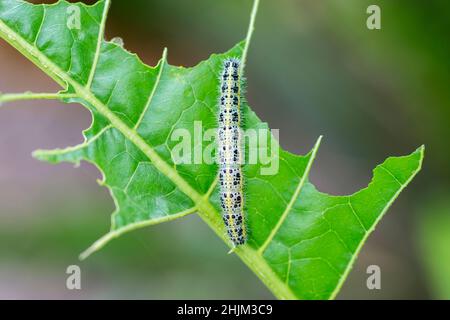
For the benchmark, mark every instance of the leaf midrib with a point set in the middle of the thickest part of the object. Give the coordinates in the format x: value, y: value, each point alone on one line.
x: 207, y: 212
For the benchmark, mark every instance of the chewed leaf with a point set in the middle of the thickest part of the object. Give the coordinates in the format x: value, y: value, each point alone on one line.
x: 301, y: 242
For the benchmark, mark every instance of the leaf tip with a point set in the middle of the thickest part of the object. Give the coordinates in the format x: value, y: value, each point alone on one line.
x: 319, y: 141
x: 314, y: 150
x: 39, y: 155
x: 97, y: 245
x: 44, y: 155
x: 87, y: 253
x: 421, y: 150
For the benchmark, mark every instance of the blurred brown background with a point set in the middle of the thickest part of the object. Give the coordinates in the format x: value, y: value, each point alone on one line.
x: 314, y: 68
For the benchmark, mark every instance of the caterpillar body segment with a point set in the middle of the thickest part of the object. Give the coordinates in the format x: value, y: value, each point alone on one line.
x: 230, y: 152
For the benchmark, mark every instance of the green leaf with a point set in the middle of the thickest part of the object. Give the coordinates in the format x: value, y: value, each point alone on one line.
x: 302, y: 243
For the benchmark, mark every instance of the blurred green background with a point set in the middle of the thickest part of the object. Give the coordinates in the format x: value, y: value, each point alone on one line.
x: 314, y: 68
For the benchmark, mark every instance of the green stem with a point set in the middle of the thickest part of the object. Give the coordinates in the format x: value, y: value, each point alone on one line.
x: 34, y: 96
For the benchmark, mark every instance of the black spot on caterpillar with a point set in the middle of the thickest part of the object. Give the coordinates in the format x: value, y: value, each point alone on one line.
x: 229, y: 152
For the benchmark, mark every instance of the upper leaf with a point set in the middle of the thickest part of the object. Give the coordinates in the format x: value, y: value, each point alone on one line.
x: 302, y: 243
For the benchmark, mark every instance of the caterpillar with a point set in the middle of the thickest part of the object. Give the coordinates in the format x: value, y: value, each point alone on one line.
x: 229, y: 152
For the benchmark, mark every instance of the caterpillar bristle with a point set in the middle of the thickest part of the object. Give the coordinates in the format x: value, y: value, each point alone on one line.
x: 230, y: 152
